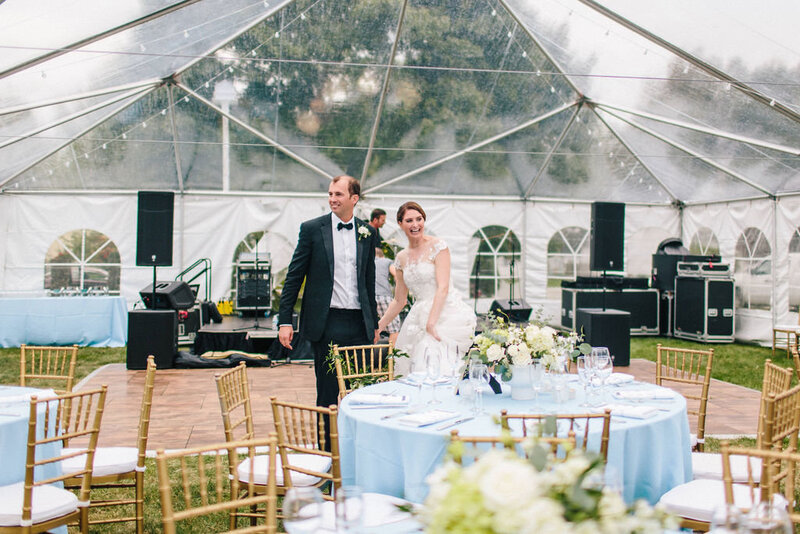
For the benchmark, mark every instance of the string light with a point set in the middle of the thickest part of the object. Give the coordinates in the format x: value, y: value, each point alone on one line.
x: 144, y: 124
x: 185, y: 34
x: 494, y: 12
x: 163, y: 111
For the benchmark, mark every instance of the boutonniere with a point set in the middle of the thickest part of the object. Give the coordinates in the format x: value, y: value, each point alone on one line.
x: 363, y: 233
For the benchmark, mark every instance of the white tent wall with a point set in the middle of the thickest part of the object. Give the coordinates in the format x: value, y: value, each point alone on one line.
x: 727, y: 221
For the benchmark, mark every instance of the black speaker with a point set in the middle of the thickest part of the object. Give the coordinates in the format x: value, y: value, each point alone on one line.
x: 154, y: 228
x: 152, y: 332
x: 606, y: 247
x: 607, y: 328
x: 170, y: 295
x: 517, y: 311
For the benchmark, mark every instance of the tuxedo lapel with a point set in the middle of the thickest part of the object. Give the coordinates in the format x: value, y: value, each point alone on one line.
x: 360, y: 250
x: 327, y: 241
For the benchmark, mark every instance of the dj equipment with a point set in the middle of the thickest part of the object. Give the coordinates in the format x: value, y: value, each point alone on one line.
x: 253, y: 282
x: 642, y: 304
x: 169, y: 295
x: 517, y: 311
x: 704, y: 309
x: 703, y: 269
x: 152, y: 332
x: 607, y: 328
x: 606, y: 247
x: 154, y: 228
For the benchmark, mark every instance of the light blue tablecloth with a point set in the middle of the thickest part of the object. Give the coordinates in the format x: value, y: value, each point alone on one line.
x: 651, y: 455
x: 86, y: 321
x: 14, y: 415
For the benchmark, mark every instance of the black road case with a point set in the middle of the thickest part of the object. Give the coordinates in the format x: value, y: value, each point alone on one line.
x: 704, y: 309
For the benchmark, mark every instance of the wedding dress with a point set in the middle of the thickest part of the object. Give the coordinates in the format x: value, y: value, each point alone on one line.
x: 456, y: 324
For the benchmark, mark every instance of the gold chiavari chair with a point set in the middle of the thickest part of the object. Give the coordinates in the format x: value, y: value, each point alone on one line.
x: 48, y: 367
x: 690, y: 371
x: 122, y: 468
x: 473, y: 446
x: 362, y: 361
x: 776, y: 477
x: 776, y: 380
x: 695, y: 501
x: 577, y: 424
x: 203, y: 488
x: 306, y: 458
x: 39, y: 505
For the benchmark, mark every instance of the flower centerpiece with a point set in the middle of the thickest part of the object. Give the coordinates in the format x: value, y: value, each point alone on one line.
x: 503, y: 493
x: 504, y: 345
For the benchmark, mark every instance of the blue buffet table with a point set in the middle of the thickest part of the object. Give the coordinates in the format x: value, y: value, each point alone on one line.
x: 652, y: 455
x: 85, y: 321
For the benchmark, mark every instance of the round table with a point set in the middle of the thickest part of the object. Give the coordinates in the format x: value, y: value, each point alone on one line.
x: 652, y: 455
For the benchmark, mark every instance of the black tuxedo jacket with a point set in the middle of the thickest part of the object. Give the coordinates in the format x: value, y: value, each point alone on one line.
x: 312, y: 261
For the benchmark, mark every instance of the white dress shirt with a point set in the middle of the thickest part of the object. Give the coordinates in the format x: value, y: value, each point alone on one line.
x: 345, y: 283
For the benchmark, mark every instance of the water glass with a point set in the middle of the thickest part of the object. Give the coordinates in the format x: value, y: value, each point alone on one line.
x: 585, y: 372
x: 537, y: 375
x: 768, y: 518
x: 349, y: 507
x: 478, y: 376
x: 433, y: 367
x: 726, y: 519
x: 302, y: 510
x: 603, y: 366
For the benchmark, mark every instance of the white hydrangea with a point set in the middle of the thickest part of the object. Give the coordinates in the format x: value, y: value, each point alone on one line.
x: 495, y: 353
x: 521, y: 354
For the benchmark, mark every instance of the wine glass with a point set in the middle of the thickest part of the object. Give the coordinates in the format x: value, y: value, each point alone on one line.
x: 768, y: 517
x: 349, y: 504
x: 478, y: 376
x: 726, y: 519
x: 585, y: 371
x: 537, y: 374
x: 433, y: 368
x: 302, y: 510
x: 603, y: 366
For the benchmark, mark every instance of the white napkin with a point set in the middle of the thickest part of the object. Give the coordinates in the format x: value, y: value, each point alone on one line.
x: 645, y: 394
x: 377, y: 510
x: 426, y: 418
x: 376, y: 399
x: 634, y: 412
x: 619, y: 378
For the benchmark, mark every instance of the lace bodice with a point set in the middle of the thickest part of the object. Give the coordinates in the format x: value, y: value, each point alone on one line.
x: 420, y: 274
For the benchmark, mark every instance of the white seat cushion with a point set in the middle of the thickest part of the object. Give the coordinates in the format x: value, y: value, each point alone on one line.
x: 709, y: 465
x: 377, y: 510
x: 107, y: 461
x: 693, y: 440
x: 312, y: 462
x: 699, y: 498
x: 49, y: 502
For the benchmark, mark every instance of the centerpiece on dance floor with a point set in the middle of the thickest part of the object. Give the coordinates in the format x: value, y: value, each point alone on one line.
x: 516, y: 351
x: 503, y: 493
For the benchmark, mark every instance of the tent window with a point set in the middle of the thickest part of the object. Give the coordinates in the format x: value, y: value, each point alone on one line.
x: 567, y: 258
x: 496, y: 263
x: 753, y: 270
x: 704, y: 242
x: 83, y: 260
x: 794, y: 271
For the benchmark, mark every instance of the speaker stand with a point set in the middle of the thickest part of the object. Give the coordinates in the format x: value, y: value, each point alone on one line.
x: 154, y: 283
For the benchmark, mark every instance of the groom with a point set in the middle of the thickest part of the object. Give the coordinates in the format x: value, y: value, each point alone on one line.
x: 335, y: 255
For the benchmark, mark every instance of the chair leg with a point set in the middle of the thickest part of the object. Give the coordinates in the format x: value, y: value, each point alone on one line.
x: 84, y: 520
x: 139, y: 502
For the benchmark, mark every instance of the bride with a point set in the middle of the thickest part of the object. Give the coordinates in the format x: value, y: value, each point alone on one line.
x: 439, y: 323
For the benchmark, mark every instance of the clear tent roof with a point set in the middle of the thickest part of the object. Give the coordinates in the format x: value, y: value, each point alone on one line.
x: 614, y: 100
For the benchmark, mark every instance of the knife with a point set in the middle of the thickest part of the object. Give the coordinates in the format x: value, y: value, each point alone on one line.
x: 454, y: 423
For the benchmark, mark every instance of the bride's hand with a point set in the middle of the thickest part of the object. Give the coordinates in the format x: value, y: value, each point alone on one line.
x: 431, y: 328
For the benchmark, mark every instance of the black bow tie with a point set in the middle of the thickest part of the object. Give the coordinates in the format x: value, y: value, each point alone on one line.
x: 341, y: 225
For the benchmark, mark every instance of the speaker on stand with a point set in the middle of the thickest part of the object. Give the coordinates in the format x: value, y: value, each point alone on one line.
x: 607, y: 238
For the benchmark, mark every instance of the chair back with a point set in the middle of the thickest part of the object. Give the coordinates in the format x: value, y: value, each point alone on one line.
x: 234, y: 402
x: 781, y: 421
x: 689, y: 372
x: 302, y: 430
x: 774, y: 474
x: 472, y: 447
x: 67, y: 417
x: 144, y: 413
x: 776, y: 380
x: 795, y: 358
x: 202, y: 486
x: 569, y: 424
x: 47, y: 367
x: 360, y: 365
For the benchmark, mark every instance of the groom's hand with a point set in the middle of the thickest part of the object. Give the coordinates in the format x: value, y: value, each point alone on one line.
x: 285, y: 334
x: 377, y: 337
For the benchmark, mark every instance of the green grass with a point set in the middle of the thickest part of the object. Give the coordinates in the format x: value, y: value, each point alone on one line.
x: 734, y: 363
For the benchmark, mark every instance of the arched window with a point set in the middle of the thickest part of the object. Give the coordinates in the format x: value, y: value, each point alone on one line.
x: 794, y: 271
x: 753, y: 270
x: 82, y: 260
x: 704, y: 242
x: 567, y: 258
x: 497, y: 256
